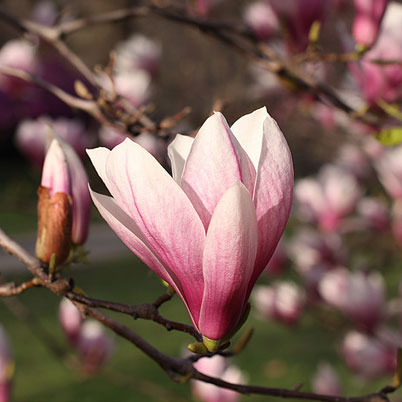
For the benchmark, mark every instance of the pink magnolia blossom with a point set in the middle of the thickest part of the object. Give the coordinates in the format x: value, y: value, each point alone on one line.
x: 202, y: 7
x: 282, y: 302
x: 211, y: 229
x: 138, y: 53
x: 21, y: 55
x: 389, y: 169
x: 326, y: 381
x: 358, y: 295
x: 216, y: 366
x: 308, y: 248
x: 382, y: 82
x: 353, y: 160
x: 397, y: 221
x: 70, y: 319
x: 328, y: 199
x: 367, y: 21
x: 64, y: 203
x: 95, y: 346
x: 278, y: 260
x: 368, y: 356
x: 298, y: 17
x: 374, y: 213
x: 33, y: 136
x: 6, y: 366
x: 261, y: 19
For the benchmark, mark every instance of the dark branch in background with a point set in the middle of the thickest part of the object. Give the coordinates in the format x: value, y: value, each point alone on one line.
x: 236, y: 36
x: 179, y: 369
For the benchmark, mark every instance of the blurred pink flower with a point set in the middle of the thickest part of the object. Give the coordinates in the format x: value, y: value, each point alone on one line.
x: 396, y: 217
x: 389, y: 169
x: 283, y: 302
x: 326, y: 381
x: 211, y: 229
x: 382, y: 82
x: 278, y: 260
x: 138, y: 53
x: 202, y: 7
x: 261, y: 19
x: 358, y: 295
x: 6, y: 366
x: 33, y: 136
x: 368, y: 356
x: 21, y: 55
x: 367, y: 21
x: 374, y: 213
x: 327, y: 199
x: 308, y: 248
x: 94, y: 345
x: 70, y: 319
x: 298, y: 17
x: 353, y: 160
x: 216, y: 366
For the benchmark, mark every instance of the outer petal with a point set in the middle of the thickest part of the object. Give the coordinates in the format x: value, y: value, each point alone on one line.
x: 216, y: 161
x: 162, y: 212
x: 249, y: 130
x: 273, y: 192
x: 178, y: 151
x: 131, y: 236
x: 229, y: 256
x: 98, y: 158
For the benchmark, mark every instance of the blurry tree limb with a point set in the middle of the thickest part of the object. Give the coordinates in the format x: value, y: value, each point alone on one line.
x: 174, y: 367
x: 236, y: 36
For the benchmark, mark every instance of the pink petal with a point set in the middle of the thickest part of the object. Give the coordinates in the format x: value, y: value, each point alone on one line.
x: 162, y: 212
x: 98, y: 158
x: 264, y: 142
x: 131, y: 236
x: 273, y: 193
x: 178, y: 151
x: 216, y: 161
x: 229, y: 256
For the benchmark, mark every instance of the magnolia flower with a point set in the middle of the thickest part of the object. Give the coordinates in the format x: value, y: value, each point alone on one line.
x: 33, y: 136
x: 308, y: 248
x: 216, y: 366
x: 367, y: 22
x: 64, y: 203
x: 278, y: 260
x: 70, y: 319
x: 211, y: 229
x: 358, y: 295
x: 298, y: 17
x: 353, y: 160
x: 21, y: 55
x: 397, y: 221
x: 138, y: 53
x: 374, y: 213
x: 94, y: 345
x: 261, y: 19
x: 329, y: 198
x: 202, y: 7
x: 382, y: 82
x: 389, y: 169
x: 282, y: 302
x: 6, y: 366
x: 368, y: 356
x: 326, y: 381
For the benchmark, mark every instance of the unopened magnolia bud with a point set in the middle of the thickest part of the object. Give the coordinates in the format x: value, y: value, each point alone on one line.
x: 64, y: 204
x: 6, y: 367
x: 54, y: 208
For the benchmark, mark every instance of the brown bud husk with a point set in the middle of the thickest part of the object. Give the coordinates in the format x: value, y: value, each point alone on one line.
x: 55, y: 219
